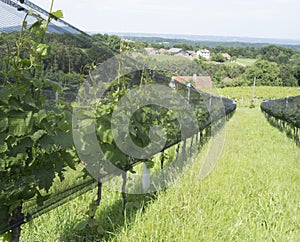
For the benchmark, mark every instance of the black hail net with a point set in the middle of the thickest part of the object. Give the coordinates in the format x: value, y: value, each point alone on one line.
x: 12, y: 13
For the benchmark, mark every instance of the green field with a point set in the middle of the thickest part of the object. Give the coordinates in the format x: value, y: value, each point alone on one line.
x: 260, y: 92
x: 253, y: 194
x: 246, y: 62
x: 243, y: 95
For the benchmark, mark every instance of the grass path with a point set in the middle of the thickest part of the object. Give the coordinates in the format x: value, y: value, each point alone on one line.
x: 252, y: 195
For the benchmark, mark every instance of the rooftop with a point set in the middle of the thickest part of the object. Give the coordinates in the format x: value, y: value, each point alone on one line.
x: 199, y: 82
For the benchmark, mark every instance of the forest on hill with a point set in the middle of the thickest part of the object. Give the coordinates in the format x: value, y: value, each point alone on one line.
x: 69, y: 60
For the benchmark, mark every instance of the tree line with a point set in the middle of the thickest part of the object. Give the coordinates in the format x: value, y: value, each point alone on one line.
x: 70, y: 59
x: 275, y: 66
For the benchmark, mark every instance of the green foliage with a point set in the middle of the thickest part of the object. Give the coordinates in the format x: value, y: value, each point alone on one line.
x: 140, y: 124
x: 219, y: 71
x: 276, y: 66
x: 113, y: 41
x: 294, y: 66
x: 266, y: 73
x: 184, y: 46
x: 175, y: 65
x: 218, y: 57
x: 288, y: 75
x: 272, y: 53
x: 36, y: 140
x: 159, y: 46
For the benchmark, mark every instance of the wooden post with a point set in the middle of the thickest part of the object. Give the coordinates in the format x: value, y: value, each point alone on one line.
x: 124, y: 176
x: 162, y: 164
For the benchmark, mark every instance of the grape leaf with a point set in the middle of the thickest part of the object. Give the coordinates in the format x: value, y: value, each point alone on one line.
x: 57, y: 14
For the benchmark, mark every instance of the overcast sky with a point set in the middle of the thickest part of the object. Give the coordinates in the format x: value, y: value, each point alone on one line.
x: 243, y: 18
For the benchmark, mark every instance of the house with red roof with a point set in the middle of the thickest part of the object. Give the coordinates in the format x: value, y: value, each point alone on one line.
x: 198, y: 82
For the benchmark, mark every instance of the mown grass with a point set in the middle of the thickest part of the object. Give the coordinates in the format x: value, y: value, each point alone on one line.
x: 246, y: 61
x: 253, y: 194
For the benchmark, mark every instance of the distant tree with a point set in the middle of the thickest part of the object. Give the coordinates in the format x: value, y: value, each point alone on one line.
x: 201, y: 60
x: 219, y: 75
x: 245, y: 52
x: 217, y: 57
x: 233, y: 58
x: 297, y: 75
x: 273, y: 53
x: 158, y: 46
x: 288, y: 76
x: 295, y: 66
x: 183, y: 46
x: 141, y: 45
x: 234, y: 71
x: 177, y: 65
x: 221, y: 49
x: 113, y: 41
x: 267, y: 73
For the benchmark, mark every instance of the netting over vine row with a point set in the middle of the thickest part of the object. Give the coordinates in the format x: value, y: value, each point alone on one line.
x: 285, y: 109
x: 55, y: 120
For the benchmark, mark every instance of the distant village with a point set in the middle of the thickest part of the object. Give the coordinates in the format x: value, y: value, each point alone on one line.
x: 181, y: 52
x: 199, y: 82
